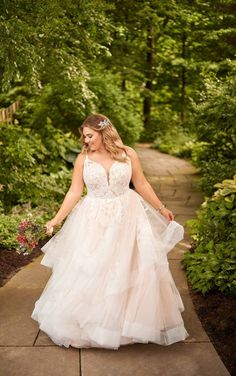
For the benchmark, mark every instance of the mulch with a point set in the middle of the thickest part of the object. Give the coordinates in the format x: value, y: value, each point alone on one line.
x: 11, y: 262
x: 216, y: 311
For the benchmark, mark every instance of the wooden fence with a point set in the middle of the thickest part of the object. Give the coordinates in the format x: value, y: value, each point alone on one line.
x: 6, y: 114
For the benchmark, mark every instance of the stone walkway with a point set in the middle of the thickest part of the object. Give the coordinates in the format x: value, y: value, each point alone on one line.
x: 27, y: 351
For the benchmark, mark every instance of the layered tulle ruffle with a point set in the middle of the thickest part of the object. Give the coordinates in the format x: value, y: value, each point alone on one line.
x: 111, y: 284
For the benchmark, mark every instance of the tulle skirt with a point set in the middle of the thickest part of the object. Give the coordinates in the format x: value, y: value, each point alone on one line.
x: 110, y: 283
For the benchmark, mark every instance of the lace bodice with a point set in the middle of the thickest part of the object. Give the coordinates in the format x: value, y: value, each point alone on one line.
x: 101, y: 184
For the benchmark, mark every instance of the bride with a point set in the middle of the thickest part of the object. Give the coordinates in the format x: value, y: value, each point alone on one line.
x: 110, y: 283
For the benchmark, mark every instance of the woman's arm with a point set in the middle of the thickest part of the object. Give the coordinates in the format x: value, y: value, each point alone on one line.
x: 72, y: 196
x: 143, y: 187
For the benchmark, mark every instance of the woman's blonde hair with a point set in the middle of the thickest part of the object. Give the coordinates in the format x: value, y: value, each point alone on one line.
x: 110, y: 137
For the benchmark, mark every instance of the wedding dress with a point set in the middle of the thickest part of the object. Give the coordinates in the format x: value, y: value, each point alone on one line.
x: 110, y: 283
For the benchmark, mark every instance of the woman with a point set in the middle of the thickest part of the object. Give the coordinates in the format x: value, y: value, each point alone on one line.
x: 111, y: 284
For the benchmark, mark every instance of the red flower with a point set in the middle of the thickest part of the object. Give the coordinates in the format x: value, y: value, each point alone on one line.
x: 21, y: 239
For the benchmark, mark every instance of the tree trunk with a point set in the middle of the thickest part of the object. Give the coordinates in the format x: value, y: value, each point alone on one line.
x: 183, y: 79
x: 123, y: 84
x: 147, y: 103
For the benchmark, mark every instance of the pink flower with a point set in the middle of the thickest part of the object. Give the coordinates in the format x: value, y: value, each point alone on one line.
x: 21, y: 239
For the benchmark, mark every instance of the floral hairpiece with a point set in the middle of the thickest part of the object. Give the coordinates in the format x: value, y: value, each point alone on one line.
x: 103, y: 123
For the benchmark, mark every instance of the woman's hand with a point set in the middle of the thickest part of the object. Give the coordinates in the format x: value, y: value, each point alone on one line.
x: 50, y: 225
x: 167, y: 214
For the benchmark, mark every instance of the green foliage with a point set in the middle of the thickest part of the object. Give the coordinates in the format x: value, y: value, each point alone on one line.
x: 33, y: 166
x: 63, y: 101
x: 120, y: 106
x: 47, y: 47
x: 50, y: 37
x: 211, y: 265
x: 8, y: 230
x: 176, y: 141
x: 66, y: 111
x: 216, y: 131
x: 170, y: 136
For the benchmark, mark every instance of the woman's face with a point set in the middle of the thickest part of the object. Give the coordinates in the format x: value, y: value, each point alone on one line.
x: 92, y: 138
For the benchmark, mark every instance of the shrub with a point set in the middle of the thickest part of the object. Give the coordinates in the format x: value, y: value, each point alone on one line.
x: 8, y: 230
x: 215, y: 129
x: 33, y: 166
x: 176, y: 141
x: 211, y: 264
x: 171, y: 136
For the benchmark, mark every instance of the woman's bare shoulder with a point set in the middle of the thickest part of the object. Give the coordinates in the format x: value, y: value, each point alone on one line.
x: 79, y: 160
x: 131, y: 152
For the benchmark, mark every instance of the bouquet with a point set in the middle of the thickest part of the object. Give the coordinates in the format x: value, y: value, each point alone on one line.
x: 29, y: 234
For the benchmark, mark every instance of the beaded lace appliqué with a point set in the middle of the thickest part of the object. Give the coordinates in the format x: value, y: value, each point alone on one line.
x: 107, y: 193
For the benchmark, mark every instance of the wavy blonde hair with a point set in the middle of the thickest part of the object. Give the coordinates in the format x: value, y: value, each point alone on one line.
x: 110, y: 137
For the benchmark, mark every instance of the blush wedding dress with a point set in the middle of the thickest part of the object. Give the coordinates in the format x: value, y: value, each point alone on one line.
x: 111, y: 284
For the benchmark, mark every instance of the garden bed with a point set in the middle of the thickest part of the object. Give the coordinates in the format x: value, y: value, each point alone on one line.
x: 11, y: 262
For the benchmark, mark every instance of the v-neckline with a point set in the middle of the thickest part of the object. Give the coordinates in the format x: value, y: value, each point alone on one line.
x: 106, y: 172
